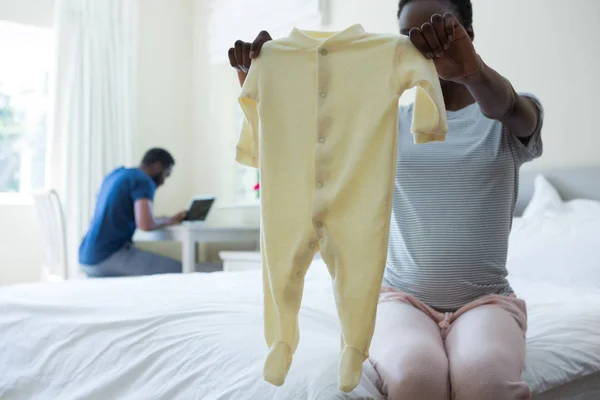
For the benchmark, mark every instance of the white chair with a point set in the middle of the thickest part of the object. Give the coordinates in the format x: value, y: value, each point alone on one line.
x: 53, y: 234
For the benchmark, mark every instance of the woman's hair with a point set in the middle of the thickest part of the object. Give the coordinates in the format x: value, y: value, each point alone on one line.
x: 463, y: 7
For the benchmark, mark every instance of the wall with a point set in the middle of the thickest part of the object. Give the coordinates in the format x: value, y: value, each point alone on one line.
x: 216, y: 121
x: 375, y: 16
x: 20, y: 246
x: 165, y: 101
x: 541, y: 55
x: 165, y: 93
x: 205, y: 140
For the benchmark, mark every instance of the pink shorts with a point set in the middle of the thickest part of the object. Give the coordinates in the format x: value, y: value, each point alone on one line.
x: 516, y: 307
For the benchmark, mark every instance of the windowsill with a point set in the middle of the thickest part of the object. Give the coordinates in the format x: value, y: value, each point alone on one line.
x: 15, y: 199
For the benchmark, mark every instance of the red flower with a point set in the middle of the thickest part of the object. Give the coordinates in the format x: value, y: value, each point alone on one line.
x: 257, y: 187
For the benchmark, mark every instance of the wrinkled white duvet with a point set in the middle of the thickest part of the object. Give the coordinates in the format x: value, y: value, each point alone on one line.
x: 200, y: 337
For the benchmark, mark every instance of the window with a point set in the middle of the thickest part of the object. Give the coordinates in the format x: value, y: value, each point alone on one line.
x: 230, y: 20
x: 246, y: 178
x: 246, y: 183
x: 24, y: 105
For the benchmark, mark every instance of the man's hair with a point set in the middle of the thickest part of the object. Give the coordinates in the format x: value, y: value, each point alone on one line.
x: 463, y: 7
x: 161, y: 156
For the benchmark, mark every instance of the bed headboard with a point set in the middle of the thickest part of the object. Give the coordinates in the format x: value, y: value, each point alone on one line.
x: 572, y: 183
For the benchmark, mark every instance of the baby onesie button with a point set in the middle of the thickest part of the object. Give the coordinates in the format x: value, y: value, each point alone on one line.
x: 322, y: 239
x: 321, y: 139
x: 312, y: 245
x: 324, y: 52
x: 319, y: 224
x: 319, y: 184
x: 323, y: 95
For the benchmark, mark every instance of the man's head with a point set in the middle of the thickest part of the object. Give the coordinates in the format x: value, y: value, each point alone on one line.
x: 158, y: 163
x: 414, y: 13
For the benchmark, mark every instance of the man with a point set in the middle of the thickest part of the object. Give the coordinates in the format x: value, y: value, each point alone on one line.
x: 125, y: 203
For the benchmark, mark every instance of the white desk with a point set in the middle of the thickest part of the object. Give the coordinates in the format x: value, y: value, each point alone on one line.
x: 191, y: 234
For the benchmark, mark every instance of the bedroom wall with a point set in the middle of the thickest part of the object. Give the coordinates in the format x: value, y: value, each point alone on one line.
x: 215, y: 123
x: 165, y: 92
x: 165, y: 96
x: 20, y: 246
x: 545, y: 59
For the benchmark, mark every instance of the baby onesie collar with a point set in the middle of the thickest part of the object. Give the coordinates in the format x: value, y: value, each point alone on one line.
x: 313, y: 39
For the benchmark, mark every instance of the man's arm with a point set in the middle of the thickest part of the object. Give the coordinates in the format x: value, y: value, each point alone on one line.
x: 145, y: 220
x: 498, y: 100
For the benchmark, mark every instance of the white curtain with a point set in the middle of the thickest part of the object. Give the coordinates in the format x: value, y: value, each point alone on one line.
x: 94, y: 95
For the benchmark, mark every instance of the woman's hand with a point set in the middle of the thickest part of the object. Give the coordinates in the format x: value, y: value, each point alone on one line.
x: 445, y: 41
x: 242, y: 54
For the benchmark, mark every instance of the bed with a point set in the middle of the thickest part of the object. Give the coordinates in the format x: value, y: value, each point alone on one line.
x: 200, y: 336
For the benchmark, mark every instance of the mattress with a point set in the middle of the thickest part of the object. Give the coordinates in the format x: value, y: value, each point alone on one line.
x: 200, y: 336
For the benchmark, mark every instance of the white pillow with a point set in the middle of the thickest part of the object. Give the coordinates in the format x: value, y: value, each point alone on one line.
x: 545, y: 198
x: 556, y: 241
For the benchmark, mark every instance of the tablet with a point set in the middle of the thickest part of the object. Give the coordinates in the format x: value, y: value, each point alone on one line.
x: 199, y: 208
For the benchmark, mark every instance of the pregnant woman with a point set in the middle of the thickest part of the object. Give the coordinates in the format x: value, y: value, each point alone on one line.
x: 449, y: 325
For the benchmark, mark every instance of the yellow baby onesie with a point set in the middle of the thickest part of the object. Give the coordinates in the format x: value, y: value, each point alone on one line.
x: 321, y: 114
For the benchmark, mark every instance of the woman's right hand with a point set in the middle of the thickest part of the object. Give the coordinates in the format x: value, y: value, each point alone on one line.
x: 242, y: 54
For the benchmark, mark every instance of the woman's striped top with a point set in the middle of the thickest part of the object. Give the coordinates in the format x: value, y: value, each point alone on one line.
x: 452, y: 209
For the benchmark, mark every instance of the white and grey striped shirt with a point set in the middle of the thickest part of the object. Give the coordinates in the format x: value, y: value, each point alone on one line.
x: 452, y: 209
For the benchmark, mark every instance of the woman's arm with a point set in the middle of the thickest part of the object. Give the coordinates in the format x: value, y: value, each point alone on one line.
x: 445, y: 41
x: 498, y: 100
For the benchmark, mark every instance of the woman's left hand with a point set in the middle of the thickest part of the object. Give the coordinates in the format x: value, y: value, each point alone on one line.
x: 445, y: 41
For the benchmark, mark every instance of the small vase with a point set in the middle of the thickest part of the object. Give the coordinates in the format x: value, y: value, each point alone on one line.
x: 257, y: 186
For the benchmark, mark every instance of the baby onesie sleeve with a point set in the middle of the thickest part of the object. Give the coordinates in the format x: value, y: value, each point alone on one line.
x: 247, y: 146
x: 413, y: 70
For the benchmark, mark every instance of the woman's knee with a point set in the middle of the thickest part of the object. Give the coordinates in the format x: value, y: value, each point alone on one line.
x: 422, y: 376
x: 485, y: 378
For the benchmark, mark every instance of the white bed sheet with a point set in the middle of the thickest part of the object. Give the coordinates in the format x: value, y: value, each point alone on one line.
x: 200, y: 337
x: 563, y: 339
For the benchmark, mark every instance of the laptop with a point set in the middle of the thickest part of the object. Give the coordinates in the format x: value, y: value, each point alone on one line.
x: 199, y: 208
